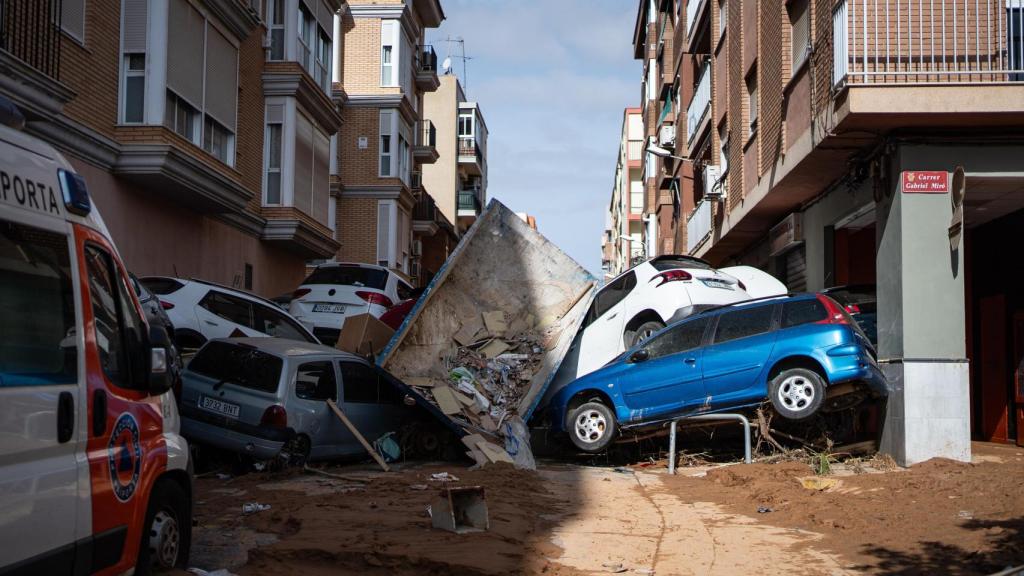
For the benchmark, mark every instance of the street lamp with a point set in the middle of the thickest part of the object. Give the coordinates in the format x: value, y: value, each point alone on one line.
x: 662, y: 152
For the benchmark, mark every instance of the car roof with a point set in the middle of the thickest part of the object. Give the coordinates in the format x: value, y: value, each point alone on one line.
x: 742, y: 304
x: 352, y: 264
x: 286, y: 348
x: 187, y: 281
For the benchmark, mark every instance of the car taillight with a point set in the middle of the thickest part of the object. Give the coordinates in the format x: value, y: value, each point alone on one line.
x: 300, y: 293
x: 274, y: 417
x: 166, y: 305
x: 375, y: 298
x: 836, y: 314
x: 672, y: 276
x: 853, y: 309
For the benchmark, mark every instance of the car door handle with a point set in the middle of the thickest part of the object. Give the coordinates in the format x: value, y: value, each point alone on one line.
x: 99, y: 413
x: 690, y: 360
x: 612, y: 316
x: 65, y: 417
x: 211, y: 323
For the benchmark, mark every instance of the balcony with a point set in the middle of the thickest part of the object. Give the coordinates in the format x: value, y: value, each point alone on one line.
x: 698, y: 22
x: 425, y: 67
x: 469, y: 203
x: 634, y: 149
x: 470, y: 156
x: 699, y: 110
x: 698, y: 226
x: 30, y: 47
x: 425, y: 149
x: 427, y: 218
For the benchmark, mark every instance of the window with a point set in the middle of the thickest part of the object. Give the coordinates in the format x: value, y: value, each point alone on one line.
x: 663, y: 263
x: 723, y: 151
x: 680, y: 338
x: 307, y: 30
x: 162, y: 286
x: 322, y: 67
x: 357, y: 276
x: 752, y: 99
x: 803, y: 312
x: 217, y: 140
x: 134, y: 83
x: 274, y: 323
x: 612, y: 294
x: 315, y: 381
x: 385, y: 208
x: 744, y: 323
x: 387, y: 54
x: 386, y: 121
x: 652, y: 79
x: 72, y: 19
x: 239, y: 365
x: 405, y: 291
x: 466, y: 125
x: 359, y: 382
x: 274, y: 163
x: 117, y: 326
x: 228, y: 307
x: 37, y: 304
x: 800, y: 30
x: 723, y: 15
x: 276, y: 8
x: 403, y: 156
x: 1015, y: 40
x: 248, y: 276
x: 181, y: 117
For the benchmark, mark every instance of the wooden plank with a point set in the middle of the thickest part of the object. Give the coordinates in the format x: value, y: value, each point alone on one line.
x: 355, y: 432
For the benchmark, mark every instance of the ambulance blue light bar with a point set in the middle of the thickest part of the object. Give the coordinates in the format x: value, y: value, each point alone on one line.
x: 76, y: 195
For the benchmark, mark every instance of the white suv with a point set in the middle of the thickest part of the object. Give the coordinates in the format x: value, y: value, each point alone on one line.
x: 340, y: 289
x: 202, y: 310
x: 656, y: 293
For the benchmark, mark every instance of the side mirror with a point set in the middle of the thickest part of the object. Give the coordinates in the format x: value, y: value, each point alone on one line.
x: 640, y: 355
x: 159, y: 349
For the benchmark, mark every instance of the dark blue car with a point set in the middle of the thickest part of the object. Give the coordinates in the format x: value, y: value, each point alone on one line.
x: 803, y: 353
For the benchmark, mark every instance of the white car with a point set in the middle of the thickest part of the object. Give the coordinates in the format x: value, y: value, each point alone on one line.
x: 340, y: 289
x: 201, y: 311
x: 656, y: 293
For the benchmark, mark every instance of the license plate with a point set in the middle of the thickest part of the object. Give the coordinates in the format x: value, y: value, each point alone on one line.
x: 332, y: 308
x: 218, y: 406
x: 717, y: 284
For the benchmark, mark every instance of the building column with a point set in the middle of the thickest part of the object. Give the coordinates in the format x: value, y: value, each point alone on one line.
x: 921, y: 318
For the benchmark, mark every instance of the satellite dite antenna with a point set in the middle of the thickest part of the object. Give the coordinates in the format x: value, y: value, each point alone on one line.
x: 447, y: 65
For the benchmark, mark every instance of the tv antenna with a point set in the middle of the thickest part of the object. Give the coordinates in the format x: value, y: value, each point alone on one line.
x: 460, y: 43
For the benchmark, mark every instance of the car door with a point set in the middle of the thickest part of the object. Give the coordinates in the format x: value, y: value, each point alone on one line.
x: 740, y: 347
x: 360, y: 396
x: 602, y: 332
x: 315, y: 383
x: 224, y: 316
x: 42, y: 407
x: 275, y: 323
x: 670, y: 378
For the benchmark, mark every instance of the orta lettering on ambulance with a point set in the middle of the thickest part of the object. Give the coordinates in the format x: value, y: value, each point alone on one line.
x: 124, y: 456
x: 28, y: 193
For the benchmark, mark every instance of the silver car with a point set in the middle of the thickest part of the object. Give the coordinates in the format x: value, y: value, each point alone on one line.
x: 257, y: 396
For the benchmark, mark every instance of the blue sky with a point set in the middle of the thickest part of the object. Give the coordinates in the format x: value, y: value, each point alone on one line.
x: 552, y: 78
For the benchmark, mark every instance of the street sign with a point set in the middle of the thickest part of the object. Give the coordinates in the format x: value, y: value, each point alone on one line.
x: 924, y: 182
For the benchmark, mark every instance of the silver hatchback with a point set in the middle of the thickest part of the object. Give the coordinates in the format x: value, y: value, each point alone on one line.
x: 256, y: 396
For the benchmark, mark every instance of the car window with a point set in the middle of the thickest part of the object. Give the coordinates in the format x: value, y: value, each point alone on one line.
x: 37, y: 303
x: 613, y: 293
x: 315, y: 381
x: 663, y: 264
x: 744, y: 323
x: 799, y: 312
x: 679, y: 338
x: 228, y: 307
x: 116, y: 324
x: 274, y: 323
x: 161, y: 286
x: 240, y: 365
x: 359, y: 382
x: 404, y: 291
x: 349, y: 276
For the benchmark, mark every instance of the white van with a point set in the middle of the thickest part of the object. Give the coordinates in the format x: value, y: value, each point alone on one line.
x: 94, y: 476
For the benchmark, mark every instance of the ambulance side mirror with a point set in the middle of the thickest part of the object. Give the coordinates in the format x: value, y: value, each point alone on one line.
x: 159, y: 349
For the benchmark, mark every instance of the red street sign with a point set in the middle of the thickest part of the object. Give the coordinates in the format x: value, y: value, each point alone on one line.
x: 917, y: 182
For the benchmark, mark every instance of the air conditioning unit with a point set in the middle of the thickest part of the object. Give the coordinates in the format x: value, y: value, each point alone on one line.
x: 712, y: 176
x: 786, y: 234
x: 667, y: 136
x: 417, y: 248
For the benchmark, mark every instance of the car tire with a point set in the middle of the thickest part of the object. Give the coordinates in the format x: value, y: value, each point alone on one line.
x: 188, y: 341
x: 167, y: 531
x: 643, y: 332
x: 296, y: 451
x: 797, y: 393
x: 591, y: 426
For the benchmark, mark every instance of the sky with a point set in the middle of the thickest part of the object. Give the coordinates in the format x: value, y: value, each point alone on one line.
x: 552, y: 78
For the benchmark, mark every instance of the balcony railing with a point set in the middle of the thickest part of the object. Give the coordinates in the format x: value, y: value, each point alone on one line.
x: 469, y: 147
x: 698, y: 226
x: 427, y: 133
x: 633, y: 149
x: 469, y: 201
x: 700, y: 105
x: 426, y: 59
x: 30, y: 31
x: 928, y: 42
x: 692, y: 10
x: 425, y: 209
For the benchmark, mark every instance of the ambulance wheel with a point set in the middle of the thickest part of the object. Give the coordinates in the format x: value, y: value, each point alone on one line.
x: 167, y: 532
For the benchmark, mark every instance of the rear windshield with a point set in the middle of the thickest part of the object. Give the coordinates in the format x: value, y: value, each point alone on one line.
x: 241, y: 365
x: 161, y: 286
x: 854, y: 295
x: 349, y: 276
x: 662, y: 264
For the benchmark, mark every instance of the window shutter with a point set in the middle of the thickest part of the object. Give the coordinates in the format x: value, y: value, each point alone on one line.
x: 135, y: 21
x: 801, y: 25
x: 325, y: 17
x: 275, y: 113
x: 321, y: 176
x: 303, y: 164
x: 383, y: 232
x: 221, y: 78
x: 72, y: 18
x: 185, y: 28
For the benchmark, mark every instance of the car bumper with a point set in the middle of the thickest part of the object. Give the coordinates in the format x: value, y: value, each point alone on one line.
x: 260, y: 442
x: 857, y: 367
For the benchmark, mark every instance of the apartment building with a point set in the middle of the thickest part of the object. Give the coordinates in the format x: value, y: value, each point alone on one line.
x: 168, y: 108
x: 624, y: 238
x: 844, y: 142
x: 458, y: 180
x: 384, y: 70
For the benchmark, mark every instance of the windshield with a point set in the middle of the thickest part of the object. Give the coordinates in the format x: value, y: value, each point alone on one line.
x: 241, y: 365
x: 349, y: 276
x: 674, y: 263
x: 161, y: 286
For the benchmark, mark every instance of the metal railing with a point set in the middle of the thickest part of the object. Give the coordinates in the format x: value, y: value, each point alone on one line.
x: 426, y: 59
x: 427, y: 133
x: 30, y: 31
x: 928, y: 41
x: 634, y: 149
x: 692, y: 10
x: 700, y: 105
x: 698, y: 226
x: 469, y: 147
x: 425, y: 208
x: 468, y: 200
x: 714, y: 418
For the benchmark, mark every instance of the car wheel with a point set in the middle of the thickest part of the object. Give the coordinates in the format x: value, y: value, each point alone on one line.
x: 797, y: 393
x: 296, y: 451
x: 643, y: 332
x: 167, y: 531
x: 188, y: 341
x: 591, y: 426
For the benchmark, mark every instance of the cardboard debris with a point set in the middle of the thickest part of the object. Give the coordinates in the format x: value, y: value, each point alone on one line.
x: 495, y: 323
x: 364, y: 334
x: 446, y: 400
x: 494, y: 453
x: 495, y: 348
x: 467, y: 333
x: 423, y: 382
x: 463, y: 398
x: 460, y: 510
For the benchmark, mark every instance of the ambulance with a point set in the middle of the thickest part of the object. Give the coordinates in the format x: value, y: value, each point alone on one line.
x: 94, y: 475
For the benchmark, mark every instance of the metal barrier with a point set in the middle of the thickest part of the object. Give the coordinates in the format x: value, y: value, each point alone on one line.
x: 710, y: 417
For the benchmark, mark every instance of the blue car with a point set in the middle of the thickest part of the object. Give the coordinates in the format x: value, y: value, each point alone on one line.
x: 804, y: 353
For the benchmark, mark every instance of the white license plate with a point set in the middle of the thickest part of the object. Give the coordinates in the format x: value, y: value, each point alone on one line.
x: 332, y: 308
x: 218, y: 406
x: 717, y: 284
